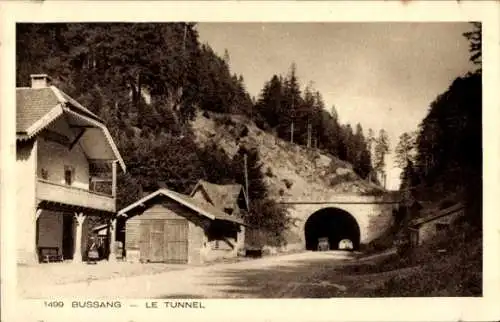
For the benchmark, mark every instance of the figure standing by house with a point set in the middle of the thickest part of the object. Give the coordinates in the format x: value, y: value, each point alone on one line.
x: 92, y: 251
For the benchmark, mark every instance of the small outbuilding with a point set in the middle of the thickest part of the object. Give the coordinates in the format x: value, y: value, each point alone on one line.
x: 166, y: 226
x: 434, y: 222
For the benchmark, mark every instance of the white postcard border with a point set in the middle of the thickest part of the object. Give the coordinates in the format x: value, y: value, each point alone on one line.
x: 341, y: 309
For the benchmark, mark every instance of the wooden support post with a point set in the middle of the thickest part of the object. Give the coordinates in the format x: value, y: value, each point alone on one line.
x: 291, y: 132
x: 113, y: 182
x: 34, y: 256
x: 112, y: 240
x: 77, y: 254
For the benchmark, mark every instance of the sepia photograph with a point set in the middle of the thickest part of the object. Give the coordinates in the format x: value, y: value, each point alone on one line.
x: 256, y: 160
x: 249, y: 160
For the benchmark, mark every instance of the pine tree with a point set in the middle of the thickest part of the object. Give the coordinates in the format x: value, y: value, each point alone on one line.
x: 292, y: 101
x: 475, y: 45
x: 270, y: 101
x: 348, y: 140
x: 362, y: 162
x: 381, y: 150
x: 405, y: 149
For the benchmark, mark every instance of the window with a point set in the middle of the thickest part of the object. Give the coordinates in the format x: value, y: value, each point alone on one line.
x: 45, y: 174
x: 228, y: 211
x: 68, y: 175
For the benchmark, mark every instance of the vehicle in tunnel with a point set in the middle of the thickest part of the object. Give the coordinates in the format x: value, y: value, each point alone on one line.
x: 323, y: 244
x: 346, y: 244
x: 335, y: 225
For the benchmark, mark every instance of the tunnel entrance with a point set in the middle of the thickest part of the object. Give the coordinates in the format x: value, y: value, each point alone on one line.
x: 334, y: 226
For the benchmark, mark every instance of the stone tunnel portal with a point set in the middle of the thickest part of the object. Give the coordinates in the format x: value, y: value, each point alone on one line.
x: 332, y: 223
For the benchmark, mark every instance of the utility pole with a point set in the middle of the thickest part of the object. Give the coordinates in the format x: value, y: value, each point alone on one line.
x: 293, y: 117
x: 309, y: 130
x: 246, y: 180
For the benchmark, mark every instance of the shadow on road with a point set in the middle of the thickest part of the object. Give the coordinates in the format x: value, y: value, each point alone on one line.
x: 313, y: 278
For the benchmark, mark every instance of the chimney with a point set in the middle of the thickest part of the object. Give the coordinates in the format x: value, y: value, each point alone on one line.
x: 40, y: 80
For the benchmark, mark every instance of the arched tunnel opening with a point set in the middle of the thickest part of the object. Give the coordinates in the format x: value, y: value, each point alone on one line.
x: 333, y: 227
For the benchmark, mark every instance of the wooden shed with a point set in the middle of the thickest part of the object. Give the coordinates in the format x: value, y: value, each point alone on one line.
x: 170, y: 227
x: 434, y: 222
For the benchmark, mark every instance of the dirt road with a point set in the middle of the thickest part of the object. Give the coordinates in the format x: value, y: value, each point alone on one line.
x: 303, y: 275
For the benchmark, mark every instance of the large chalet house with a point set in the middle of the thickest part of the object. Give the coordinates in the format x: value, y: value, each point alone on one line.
x: 65, y: 155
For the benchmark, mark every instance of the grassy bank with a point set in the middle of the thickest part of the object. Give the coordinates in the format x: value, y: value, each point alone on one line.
x: 449, y: 266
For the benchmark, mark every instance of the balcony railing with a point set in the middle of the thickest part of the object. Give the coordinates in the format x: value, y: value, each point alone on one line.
x: 54, y: 192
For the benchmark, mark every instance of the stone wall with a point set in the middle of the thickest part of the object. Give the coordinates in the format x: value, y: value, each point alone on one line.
x: 372, y: 215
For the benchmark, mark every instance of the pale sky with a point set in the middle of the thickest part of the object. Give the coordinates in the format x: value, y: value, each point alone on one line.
x: 382, y: 75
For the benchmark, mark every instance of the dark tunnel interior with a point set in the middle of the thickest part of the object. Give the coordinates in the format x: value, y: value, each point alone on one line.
x: 334, y: 224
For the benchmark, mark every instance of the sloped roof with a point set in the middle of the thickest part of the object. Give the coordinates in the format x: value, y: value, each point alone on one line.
x: 221, y: 196
x: 435, y: 214
x: 202, y: 208
x: 37, y: 108
x: 34, y: 103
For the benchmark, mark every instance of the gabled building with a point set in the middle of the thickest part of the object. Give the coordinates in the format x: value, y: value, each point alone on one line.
x: 166, y: 226
x: 231, y: 198
x: 66, y: 163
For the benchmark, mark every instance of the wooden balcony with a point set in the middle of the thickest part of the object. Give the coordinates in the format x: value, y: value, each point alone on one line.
x: 67, y: 195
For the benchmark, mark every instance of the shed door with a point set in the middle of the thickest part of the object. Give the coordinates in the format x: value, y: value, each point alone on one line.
x: 156, y: 241
x: 152, y: 241
x: 176, y: 241
x: 144, y: 245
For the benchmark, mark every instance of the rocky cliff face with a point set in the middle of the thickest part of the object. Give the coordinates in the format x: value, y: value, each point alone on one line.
x: 292, y: 172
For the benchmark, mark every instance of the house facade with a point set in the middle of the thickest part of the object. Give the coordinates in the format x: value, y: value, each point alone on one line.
x: 66, y: 163
x: 166, y: 226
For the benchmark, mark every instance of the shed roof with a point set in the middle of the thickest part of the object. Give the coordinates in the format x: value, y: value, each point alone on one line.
x: 221, y: 196
x: 437, y: 214
x: 202, y: 208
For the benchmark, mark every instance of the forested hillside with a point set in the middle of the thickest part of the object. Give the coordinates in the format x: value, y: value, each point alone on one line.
x: 146, y: 81
x: 444, y: 156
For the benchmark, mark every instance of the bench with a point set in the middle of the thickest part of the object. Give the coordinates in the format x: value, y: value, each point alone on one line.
x: 254, y: 252
x: 50, y: 254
